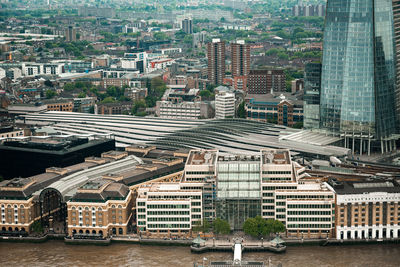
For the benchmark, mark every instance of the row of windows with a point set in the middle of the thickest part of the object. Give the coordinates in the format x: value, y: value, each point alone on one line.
x: 99, y: 209
x: 277, y: 172
x: 268, y: 201
x: 271, y: 188
x: 309, y: 206
x: 309, y: 212
x: 174, y: 197
x: 266, y: 179
x: 303, y: 196
x: 308, y: 226
x: 168, y: 212
x: 15, y: 206
x: 169, y: 219
x: 173, y: 225
x: 199, y: 173
x: 268, y: 213
x: 308, y: 219
x: 268, y: 194
x: 168, y: 206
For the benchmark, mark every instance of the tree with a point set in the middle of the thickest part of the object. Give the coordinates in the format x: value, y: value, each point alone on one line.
x: 69, y: 87
x: 81, y: 95
x: 37, y: 227
x: 50, y: 94
x: 138, y: 106
x: 256, y: 227
x: 241, y: 113
x: 298, y: 125
x: 221, y: 226
x: 107, y: 100
x: 160, y: 36
x: 275, y: 226
x: 206, y: 95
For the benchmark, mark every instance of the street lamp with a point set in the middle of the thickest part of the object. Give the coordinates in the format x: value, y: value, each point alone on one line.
x: 262, y: 242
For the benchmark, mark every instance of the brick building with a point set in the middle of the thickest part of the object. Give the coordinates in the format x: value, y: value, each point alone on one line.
x: 240, y: 56
x: 266, y: 81
x: 216, y: 61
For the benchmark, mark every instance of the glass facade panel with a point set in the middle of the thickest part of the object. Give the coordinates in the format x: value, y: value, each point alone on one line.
x: 358, y: 70
x: 238, y: 192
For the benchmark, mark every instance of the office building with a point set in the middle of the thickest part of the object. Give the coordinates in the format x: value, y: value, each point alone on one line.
x: 280, y: 109
x: 367, y: 209
x: 168, y: 209
x: 216, y: 61
x: 60, y: 105
x: 32, y: 155
x: 297, y: 85
x: 312, y: 91
x: 70, y: 34
x: 84, y: 105
x: 308, y: 10
x: 266, y: 81
x: 225, y: 105
x: 115, y: 108
x: 94, y: 199
x: 240, y: 57
x: 187, y: 26
x: 359, y: 75
x: 177, y: 108
x: 200, y: 168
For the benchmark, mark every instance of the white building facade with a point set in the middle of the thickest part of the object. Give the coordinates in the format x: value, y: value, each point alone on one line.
x: 225, y: 105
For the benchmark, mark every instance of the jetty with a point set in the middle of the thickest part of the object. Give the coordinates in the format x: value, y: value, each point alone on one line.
x: 237, y: 248
x: 199, y: 245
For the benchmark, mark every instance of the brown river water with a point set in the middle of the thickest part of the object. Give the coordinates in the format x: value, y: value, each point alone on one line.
x: 57, y: 253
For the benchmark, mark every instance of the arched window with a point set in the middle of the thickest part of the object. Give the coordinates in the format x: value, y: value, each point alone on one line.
x: 113, y: 206
x: 94, y: 232
x: 9, y: 206
x: 120, y: 231
x: 15, y: 207
x: 87, y: 232
x: 119, y: 206
x: 80, y: 208
x: 86, y: 208
x: 21, y: 206
x: 81, y: 231
x: 73, y: 208
x: 100, y: 209
x: 93, y: 208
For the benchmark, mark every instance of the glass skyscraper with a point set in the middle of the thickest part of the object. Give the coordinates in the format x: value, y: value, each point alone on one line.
x: 358, y: 80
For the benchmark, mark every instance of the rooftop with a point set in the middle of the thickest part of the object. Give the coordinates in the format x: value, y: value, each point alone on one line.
x: 365, y: 186
x: 275, y: 156
x: 237, y: 136
x: 202, y: 157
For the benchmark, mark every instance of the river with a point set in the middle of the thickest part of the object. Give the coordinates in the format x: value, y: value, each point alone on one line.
x: 57, y: 253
